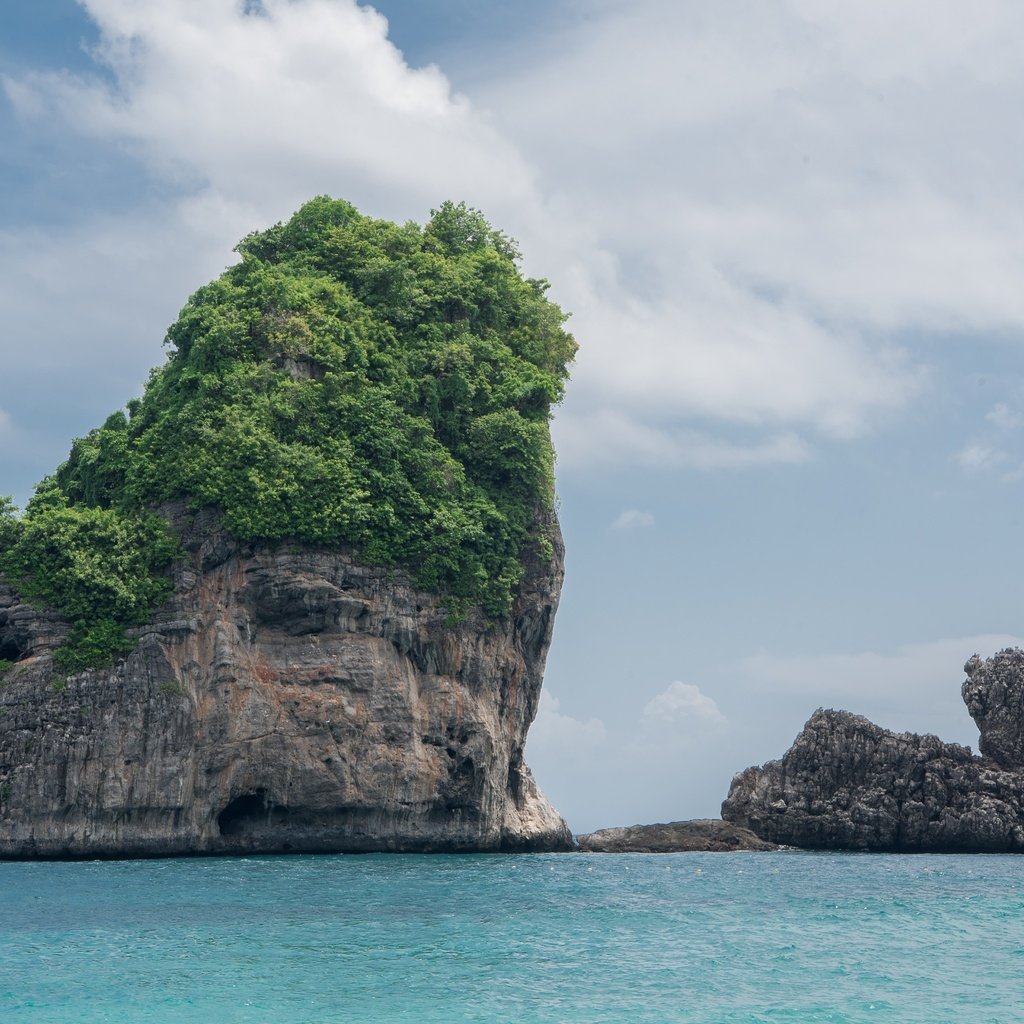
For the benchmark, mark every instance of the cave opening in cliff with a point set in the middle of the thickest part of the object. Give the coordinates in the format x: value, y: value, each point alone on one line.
x: 244, y: 813
x: 11, y: 650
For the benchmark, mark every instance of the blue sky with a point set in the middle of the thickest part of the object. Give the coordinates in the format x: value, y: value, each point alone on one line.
x: 790, y: 467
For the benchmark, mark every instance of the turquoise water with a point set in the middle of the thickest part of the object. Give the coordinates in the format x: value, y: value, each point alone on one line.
x: 687, y: 937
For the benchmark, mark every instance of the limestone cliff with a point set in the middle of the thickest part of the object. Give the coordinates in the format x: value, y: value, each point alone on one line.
x: 849, y: 784
x: 285, y: 699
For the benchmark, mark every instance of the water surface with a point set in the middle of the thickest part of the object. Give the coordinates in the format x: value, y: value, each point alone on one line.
x: 716, y: 938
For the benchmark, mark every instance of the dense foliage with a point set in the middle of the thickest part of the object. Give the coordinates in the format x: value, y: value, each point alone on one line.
x: 349, y: 381
x: 99, y: 566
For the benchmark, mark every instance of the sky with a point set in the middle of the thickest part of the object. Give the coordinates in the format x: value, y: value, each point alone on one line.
x: 791, y: 237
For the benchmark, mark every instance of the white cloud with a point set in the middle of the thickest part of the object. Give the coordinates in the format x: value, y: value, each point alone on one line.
x: 799, y: 149
x: 974, y: 458
x: 676, y: 169
x: 262, y: 112
x: 102, y: 294
x: 911, y: 668
x: 238, y: 119
x: 718, y: 351
x: 553, y: 731
x: 914, y: 687
x: 776, y: 199
x: 633, y: 519
x: 1004, y: 418
x: 682, y: 703
x: 639, y: 768
x: 610, y: 437
x: 918, y: 40
x: 984, y: 454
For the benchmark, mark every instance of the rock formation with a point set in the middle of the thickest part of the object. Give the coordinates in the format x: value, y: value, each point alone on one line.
x: 701, y: 835
x: 994, y: 694
x: 848, y: 784
x: 283, y: 699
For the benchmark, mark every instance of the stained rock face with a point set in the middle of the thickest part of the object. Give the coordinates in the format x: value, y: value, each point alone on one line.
x: 282, y: 700
x: 848, y: 784
x: 701, y: 835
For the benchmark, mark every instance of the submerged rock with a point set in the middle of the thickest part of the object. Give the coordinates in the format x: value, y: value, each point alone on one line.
x: 848, y: 784
x: 701, y: 835
x: 283, y: 700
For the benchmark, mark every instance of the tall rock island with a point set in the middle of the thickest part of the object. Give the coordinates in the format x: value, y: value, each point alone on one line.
x: 299, y: 596
x: 847, y: 784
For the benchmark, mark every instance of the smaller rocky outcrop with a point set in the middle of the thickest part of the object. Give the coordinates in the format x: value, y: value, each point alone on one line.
x: 702, y: 835
x: 994, y: 694
x: 847, y: 784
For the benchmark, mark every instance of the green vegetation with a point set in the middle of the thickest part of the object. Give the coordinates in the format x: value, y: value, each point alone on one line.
x: 8, y: 522
x: 100, y: 567
x: 349, y: 381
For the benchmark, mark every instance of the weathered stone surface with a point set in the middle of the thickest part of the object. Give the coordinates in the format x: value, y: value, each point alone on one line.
x: 701, y: 835
x: 282, y: 700
x: 847, y: 784
x: 994, y: 694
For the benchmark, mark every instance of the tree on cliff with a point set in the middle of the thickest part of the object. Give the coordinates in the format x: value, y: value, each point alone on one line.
x: 349, y: 382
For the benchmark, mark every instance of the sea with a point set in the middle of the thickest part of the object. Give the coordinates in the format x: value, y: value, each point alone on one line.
x: 716, y: 938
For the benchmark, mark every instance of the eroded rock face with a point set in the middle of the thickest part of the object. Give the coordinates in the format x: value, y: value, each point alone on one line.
x: 700, y: 835
x: 848, y: 784
x: 994, y: 694
x: 282, y: 700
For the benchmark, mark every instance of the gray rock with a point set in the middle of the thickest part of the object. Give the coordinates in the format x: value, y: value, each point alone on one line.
x: 284, y: 699
x: 847, y: 784
x: 701, y: 835
x: 994, y: 694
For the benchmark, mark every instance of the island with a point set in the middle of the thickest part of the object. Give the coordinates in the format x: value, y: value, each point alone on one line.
x: 299, y: 595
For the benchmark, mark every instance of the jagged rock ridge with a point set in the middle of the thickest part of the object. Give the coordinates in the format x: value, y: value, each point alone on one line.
x: 849, y: 784
x: 285, y: 699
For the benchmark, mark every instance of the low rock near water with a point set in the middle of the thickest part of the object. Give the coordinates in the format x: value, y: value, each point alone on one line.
x: 702, y: 835
x: 848, y: 784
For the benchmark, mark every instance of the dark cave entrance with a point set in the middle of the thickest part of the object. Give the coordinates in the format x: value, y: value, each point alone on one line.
x: 11, y: 650
x: 243, y: 814
x: 250, y: 813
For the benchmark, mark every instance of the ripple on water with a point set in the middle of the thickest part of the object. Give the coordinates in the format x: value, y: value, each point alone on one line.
x: 547, y: 938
